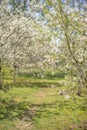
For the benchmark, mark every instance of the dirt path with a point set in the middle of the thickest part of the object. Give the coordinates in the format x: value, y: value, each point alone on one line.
x: 24, y: 124
x: 40, y: 94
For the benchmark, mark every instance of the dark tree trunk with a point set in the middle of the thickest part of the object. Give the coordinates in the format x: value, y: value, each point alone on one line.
x: 14, y: 71
x: 1, y: 80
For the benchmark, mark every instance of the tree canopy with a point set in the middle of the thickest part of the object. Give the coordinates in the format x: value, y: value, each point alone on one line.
x: 45, y: 33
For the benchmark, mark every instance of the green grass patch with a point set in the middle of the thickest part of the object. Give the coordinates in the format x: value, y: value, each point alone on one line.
x: 36, y: 105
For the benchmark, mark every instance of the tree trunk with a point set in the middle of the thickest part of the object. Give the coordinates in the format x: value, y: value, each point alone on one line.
x: 14, y: 73
x: 1, y: 80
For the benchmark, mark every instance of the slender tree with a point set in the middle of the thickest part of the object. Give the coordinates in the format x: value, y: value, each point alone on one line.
x: 70, y: 24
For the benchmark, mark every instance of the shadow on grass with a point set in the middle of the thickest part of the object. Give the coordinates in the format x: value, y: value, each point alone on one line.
x: 37, y: 84
x: 10, y: 109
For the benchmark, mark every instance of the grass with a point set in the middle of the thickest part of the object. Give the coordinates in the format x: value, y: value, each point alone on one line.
x: 34, y: 104
x: 35, y: 107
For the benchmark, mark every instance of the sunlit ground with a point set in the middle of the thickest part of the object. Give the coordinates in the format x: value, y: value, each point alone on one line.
x: 38, y: 106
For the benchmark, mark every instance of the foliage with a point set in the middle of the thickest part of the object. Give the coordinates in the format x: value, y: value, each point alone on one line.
x: 70, y: 25
x: 21, y: 38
